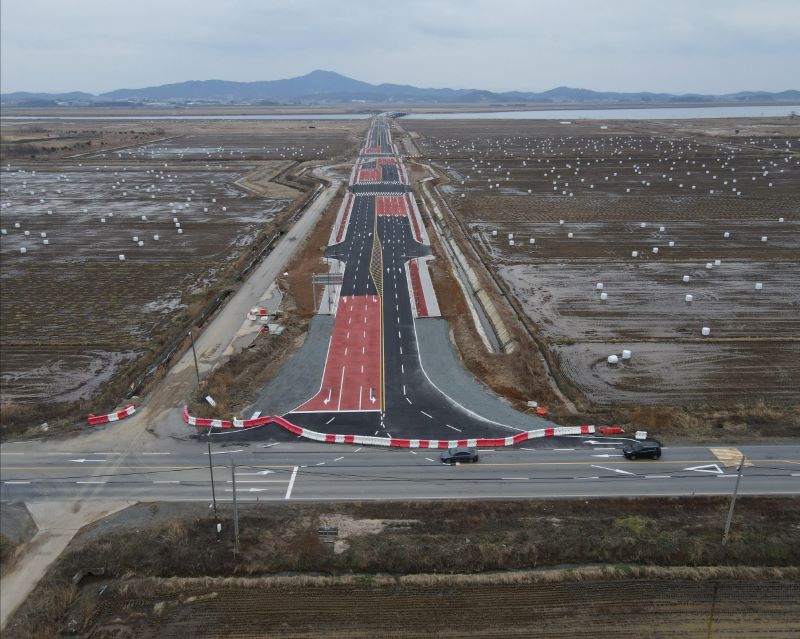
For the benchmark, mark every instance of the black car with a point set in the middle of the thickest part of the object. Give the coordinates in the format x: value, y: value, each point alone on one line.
x: 462, y: 454
x: 640, y: 449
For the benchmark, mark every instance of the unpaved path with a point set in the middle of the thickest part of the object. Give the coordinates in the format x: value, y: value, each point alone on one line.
x: 57, y: 522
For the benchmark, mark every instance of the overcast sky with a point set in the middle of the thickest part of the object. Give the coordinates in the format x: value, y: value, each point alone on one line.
x: 709, y: 46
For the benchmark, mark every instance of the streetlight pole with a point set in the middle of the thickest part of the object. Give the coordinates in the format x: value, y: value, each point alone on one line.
x: 235, y: 510
x: 211, y: 471
x: 194, y: 353
x: 733, y: 503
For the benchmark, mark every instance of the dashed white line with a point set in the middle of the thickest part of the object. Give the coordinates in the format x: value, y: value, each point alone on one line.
x: 338, y: 459
x: 458, y: 430
x: 408, y: 400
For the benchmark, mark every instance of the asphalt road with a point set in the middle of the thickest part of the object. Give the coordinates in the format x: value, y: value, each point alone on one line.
x: 411, y: 405
x: 39, y: 471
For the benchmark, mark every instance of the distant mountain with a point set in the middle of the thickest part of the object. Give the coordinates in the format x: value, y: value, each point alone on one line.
x: 24, y: 98
x: 320, y: 87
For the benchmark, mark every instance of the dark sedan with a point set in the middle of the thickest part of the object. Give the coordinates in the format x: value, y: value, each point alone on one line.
x: 462, y: 454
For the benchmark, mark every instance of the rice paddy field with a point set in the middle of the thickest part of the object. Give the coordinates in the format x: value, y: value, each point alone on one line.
x: 102, y: 251
x: 601, y: 230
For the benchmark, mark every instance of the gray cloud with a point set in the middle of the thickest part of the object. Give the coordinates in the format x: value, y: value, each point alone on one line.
x: 713, y: 46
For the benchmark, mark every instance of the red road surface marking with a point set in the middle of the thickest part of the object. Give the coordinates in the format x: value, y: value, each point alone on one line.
x: 369, y: 175
x: 414, y: 224
x: 372, y: 149
x: 352, y: 377
x: 386, y: 161
x: 390, y: 205
x: 345, y: 218
x: 416, y: 287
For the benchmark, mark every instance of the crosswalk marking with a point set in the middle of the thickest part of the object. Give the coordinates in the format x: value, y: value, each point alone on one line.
x: 729, y: 456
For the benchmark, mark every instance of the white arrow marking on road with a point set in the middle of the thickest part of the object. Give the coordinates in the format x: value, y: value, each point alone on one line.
x: 708, y: 468
x: 606, y: 455
x: 80, y: 461
x: 616, y: 470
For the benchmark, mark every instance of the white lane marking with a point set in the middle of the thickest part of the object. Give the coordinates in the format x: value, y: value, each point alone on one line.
x: 402, y: 369
x: 291, y: 483
x: 257, y: 481
x: 331, y: 419
x: 409, y: 401
x: 269, y: 445
x: 248, y: 490
x: 80, y: 461
x: 585, y: 478
x: 560, y: 449
x: 657, y: 476
x: 338, y: 459
x: 166, y: 481
x: 510, y: 478
x: 615, y: 470
x: 606, y: 455
x: 225, y: 452
x: 341, y: 388
x: 412, y: 452
x: 156, y: 453
x: 708, y: 468
x: 2, y: 452
x: 320, y: 464
x: 90, y: 482
x: 399, y: 336
x: 16, y: 482
x: 458, y: 430
x: 357, y: 449
x: 426, y: 414
x: 404, y: 389
x: 725, y: 476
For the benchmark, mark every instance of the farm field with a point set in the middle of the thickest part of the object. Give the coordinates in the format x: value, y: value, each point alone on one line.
x: 568, y: 212
x: 75, y: 314
x: 462, y: 607
x: 552, y: 568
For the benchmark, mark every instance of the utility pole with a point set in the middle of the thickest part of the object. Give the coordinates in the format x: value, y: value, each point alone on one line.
x: 211, y: 471
x: 235, y: 510
x: 194, y: 353
x: 733, y: 502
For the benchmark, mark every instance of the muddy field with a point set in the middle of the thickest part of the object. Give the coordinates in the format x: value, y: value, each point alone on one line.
x: 74, y: 312
x: 553, y: 568
x: 559, y: 207
x: 593, y: 609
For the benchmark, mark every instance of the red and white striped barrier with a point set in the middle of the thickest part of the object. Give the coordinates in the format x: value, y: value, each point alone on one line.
x: 94, y: 420
x: 392, y: 442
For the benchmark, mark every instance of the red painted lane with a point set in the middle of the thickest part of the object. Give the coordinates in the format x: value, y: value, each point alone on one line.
x: 352, y: 377
x: 372, y: 149
x: 369, y: 175
x: 386, y: 161
x: 345, y: 218
x: 390, y: 205
x: 416, y: 289
x: 414, y: 223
